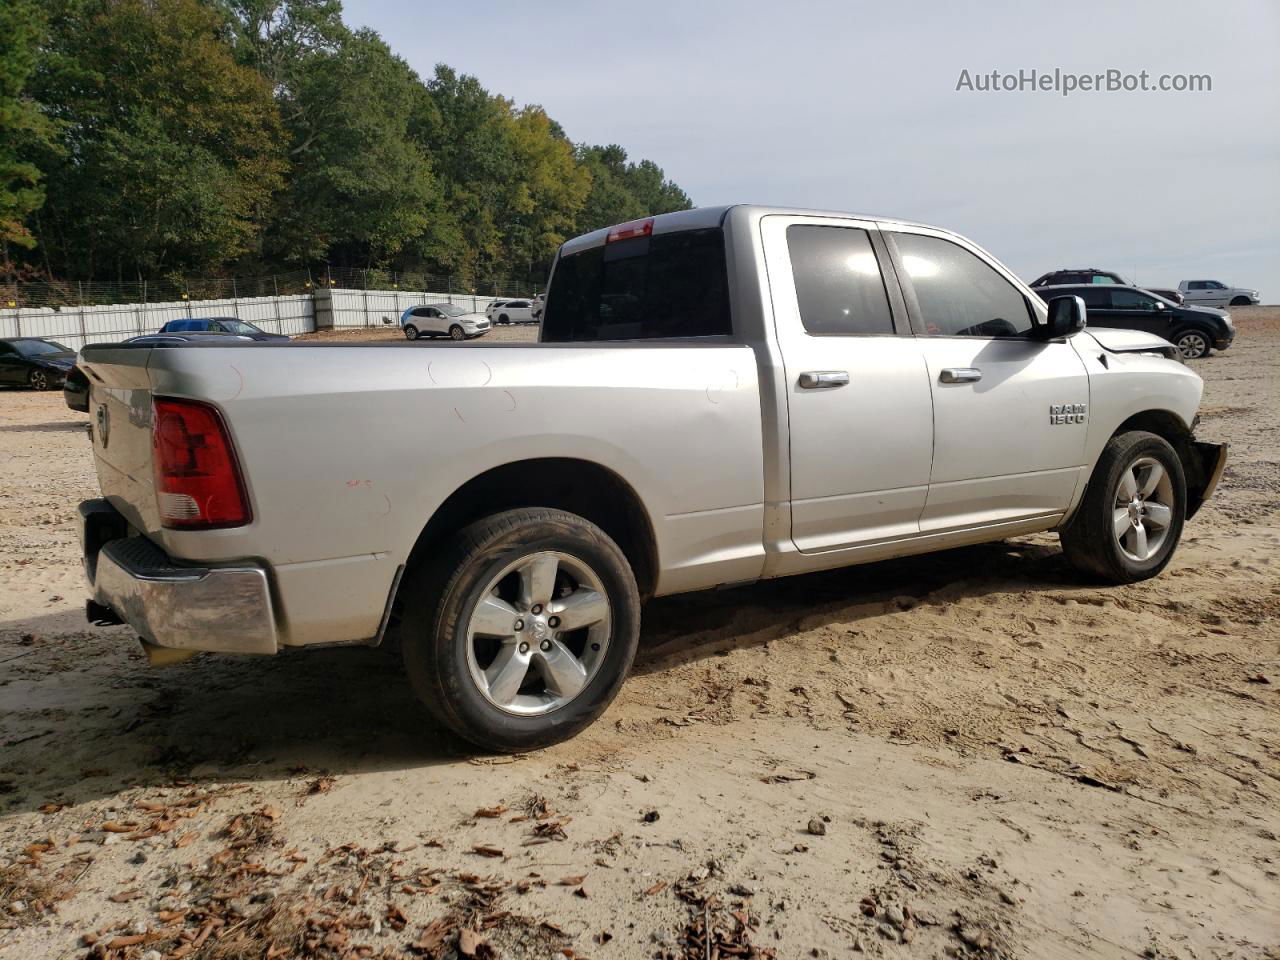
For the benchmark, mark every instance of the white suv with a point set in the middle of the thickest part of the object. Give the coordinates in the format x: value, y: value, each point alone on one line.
x: 510, y: 311
x: 443, y: 320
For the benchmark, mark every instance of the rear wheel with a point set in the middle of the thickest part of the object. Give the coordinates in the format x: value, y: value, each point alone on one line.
x: 39, y: 380
x: 1192, y: 344
x: 457, y: 333
x: 520, y: 635
x: 411, y: 332
x: 1131, y: 517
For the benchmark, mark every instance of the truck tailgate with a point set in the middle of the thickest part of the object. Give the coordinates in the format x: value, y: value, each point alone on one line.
x: 120, y: 425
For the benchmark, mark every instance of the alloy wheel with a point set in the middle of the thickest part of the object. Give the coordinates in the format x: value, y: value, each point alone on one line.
x: 1193, y: 346
x: 538, y: 633
x: 1143, y: 509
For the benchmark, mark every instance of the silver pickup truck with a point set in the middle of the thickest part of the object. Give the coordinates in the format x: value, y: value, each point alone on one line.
x: 718, y: 396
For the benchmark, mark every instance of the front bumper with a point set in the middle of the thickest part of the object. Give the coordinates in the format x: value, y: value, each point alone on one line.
x: 171, y: 604
x: 1206, y: 464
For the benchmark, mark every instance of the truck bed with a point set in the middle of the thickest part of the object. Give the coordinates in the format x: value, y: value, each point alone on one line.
x: 348, y: 449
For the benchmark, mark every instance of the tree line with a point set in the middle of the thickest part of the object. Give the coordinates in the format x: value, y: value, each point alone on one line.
x: 145, y: 139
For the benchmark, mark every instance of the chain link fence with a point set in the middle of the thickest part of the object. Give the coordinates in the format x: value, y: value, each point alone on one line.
x: 357, y: 279
x: 86, y: 293
x: 89, y: 293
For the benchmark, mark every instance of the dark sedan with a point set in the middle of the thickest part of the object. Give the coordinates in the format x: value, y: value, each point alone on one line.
x: 34, y: 362
x: 241, y: 328
x: 1193, y: 330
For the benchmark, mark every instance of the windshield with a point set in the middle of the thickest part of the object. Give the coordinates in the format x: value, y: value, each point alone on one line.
x: 237, y: 326
x: 40, y: 348
x: 451, y: 310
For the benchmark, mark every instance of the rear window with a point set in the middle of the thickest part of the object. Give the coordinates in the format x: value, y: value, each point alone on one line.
x: 642, y: 288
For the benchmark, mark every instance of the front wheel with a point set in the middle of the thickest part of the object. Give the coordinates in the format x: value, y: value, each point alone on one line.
x: 1192, y: 344
x: 39, y: 380
x: 457, y: 333
x: 1241, y: 302
x: 521, y: 633
x: 504, y: 318
x: 1130, y: 519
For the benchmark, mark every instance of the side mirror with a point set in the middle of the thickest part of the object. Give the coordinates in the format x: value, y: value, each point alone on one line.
x: 1066, y: 318
x: 1159, y: 304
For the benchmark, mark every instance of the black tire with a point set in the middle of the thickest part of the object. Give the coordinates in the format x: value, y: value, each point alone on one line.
x: 39, y: 380
x: 1240, y: 302
x: 504, y: 318
x: 411, y: 332
x: 1089, y: 541
x: 457, y: 333
x: 440, y: 595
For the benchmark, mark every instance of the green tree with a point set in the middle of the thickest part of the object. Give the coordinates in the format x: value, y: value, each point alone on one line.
x: 361, y: 187
x: 23, y: 127
x: 172, y: 150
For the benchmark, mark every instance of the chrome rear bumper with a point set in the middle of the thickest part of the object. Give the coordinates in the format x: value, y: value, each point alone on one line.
x: 215, y: 609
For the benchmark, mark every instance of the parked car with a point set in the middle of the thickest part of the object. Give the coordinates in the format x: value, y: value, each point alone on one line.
x: 511, y: 311
x: 1194, y: 330
x: 220, y: 325
x: 1058, y: 278
x: 840, y: 390
x: 1214, y: 293
x: 198, y: 336
x: 536, y: 307
x: 35, y: 362
x: 443, y: 320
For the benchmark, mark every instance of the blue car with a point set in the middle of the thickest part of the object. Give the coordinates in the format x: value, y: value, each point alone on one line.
x: 220, y: 325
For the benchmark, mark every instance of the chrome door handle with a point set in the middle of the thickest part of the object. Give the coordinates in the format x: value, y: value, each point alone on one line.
x: 961, y: 375
x: 823, y: 379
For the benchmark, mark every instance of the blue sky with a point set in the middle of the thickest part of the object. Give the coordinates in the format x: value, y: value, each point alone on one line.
x: 853, y: 106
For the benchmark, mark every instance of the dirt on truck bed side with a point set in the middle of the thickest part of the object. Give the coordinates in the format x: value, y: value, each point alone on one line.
x: 974, y: 754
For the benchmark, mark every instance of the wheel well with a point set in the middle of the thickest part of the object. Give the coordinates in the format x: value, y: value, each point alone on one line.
x: 1162, y: 423
x: 577, y: 486
x: 1169, y: 425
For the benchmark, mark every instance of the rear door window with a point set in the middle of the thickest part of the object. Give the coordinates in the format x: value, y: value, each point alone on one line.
x: 1093, y: 297
x: 1122, y: 299
x: 672, y: 285
x: 839, y: 288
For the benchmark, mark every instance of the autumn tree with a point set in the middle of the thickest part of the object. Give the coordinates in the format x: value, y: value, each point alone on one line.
x: 24, y: 129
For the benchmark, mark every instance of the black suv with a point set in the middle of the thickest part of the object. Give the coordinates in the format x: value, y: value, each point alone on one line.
x: 1194, y: 330
x: 1057, y: 278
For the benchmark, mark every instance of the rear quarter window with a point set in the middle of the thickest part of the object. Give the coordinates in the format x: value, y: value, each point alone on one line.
x: 672, y: 285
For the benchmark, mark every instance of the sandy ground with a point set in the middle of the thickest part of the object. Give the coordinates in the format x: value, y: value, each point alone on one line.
x: 971, y: 754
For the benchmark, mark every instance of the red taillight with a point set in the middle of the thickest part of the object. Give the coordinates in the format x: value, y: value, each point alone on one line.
x: 625, y: 231
x: 198, y: 483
